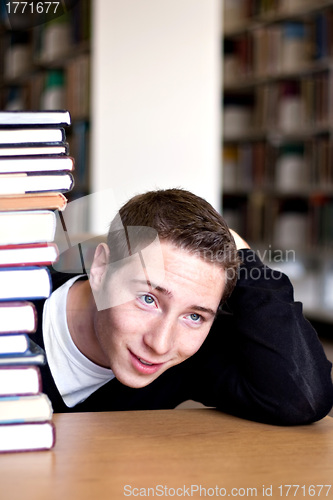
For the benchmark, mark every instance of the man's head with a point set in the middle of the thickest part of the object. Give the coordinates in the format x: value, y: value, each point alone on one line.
x: 157, y: 320
x: 178, y: 217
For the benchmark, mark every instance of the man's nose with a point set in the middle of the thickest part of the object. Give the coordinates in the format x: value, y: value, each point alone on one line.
x: 160, y: 337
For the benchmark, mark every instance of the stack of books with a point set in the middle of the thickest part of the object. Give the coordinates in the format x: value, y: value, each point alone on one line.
x: 35, y: 171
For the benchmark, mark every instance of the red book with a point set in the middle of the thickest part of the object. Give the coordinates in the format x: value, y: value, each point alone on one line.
x: 17, y: 316
x: 20, y: 380
x: 42, y: 254
x: 27, y: 437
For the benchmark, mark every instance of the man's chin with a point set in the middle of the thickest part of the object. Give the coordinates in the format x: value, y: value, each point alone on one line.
x: 134, y: 381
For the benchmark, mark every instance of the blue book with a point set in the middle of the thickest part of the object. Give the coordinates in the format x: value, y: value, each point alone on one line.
x: 14, y: 343
x: 34, y: 355
x: 321, y: 37
x: 19, y: 283
x: 21, y: 409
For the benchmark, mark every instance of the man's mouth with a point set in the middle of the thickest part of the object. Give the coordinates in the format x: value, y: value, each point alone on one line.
x: 143, y: 366
x: 145, y: 362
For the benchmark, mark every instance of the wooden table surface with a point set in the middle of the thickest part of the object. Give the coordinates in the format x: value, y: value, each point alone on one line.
x: 196, y: 453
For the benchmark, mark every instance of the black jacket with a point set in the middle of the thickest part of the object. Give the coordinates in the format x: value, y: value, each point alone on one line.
x: 262, y: 360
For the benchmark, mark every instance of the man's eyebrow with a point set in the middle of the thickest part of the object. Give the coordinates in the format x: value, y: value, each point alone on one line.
x: 152, y: 285
x: 207, y: 310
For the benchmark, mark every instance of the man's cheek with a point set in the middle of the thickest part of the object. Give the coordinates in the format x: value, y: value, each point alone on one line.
x: 192, y: 346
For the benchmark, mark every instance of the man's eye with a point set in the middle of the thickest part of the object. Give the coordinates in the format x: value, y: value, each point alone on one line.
x: 195, y: 317
x: 147, y: 299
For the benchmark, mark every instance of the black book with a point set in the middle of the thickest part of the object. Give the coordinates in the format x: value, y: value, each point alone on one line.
x: 31, y: 135
x: 43, y: 149
x: 34, y: 182
x: 35, y: 164
x: 23, y: 118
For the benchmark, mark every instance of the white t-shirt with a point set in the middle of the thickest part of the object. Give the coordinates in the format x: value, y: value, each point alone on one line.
x: 75, y: 376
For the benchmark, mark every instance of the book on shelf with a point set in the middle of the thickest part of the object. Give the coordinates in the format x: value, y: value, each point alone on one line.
x: 31, y: 135
x: 20, y: 380
x: 27, y: 437
x: 80, y: 20
x: 28, y: 408
x: 33, y: 201
x: 52, y: 148
x: 14, y: 343
x: 17, y: 316
x: 54, y: 38
x: 36, y: 164
x: 49, y: 117
x: 24, y: 283
x: 32, y: 182
x: 42, y: 254
x: 53, y: 95
x: 30, y: 226
x: 78, y: 86
x: 34, y: 356
x: 321, y: 220
x: 17, y: 54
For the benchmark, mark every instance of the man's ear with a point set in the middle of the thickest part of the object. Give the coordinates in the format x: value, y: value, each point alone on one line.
x: 99, y: 266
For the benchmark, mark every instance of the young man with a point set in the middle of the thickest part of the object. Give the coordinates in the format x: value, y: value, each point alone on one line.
x: 172, y: 312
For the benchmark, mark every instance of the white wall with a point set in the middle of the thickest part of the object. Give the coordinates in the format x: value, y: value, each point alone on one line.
x: 155, y: 100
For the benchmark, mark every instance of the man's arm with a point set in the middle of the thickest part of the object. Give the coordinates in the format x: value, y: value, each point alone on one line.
x: 240, y: 243
x: 266, y: 362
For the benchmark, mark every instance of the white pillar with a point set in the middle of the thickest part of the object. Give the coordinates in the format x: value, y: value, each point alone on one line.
x: 156, y: 100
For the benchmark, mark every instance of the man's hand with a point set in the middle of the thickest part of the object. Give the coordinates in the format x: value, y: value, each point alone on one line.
x: 240, y: 243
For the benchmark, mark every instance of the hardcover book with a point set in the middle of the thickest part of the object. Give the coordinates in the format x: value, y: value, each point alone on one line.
x: 18, y: 316
x: 42, y: 254
x: 14, y: 343
x: 31, y: 135
x: 34, y: 356
x: 20, y: 409
x: 36, y: 164
x: 29, y: 226
x: 24, y: 283
x: 50, y: 117
x: 20, y: 380
x: 32, y: 182
x: 33, y: 201
x: 56, y: 148
x: 27, y: 437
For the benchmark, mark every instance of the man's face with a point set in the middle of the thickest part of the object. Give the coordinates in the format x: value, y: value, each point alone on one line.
x: 157, y: 324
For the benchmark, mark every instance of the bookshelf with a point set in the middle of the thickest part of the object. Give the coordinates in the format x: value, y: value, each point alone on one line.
x: 47, y: 66
x: 278, y: 138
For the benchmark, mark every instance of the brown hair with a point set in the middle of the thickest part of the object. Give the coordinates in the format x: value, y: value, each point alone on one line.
x: 181, y: 218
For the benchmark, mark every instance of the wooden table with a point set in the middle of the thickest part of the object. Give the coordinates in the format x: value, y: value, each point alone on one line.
x: 196, y: 453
